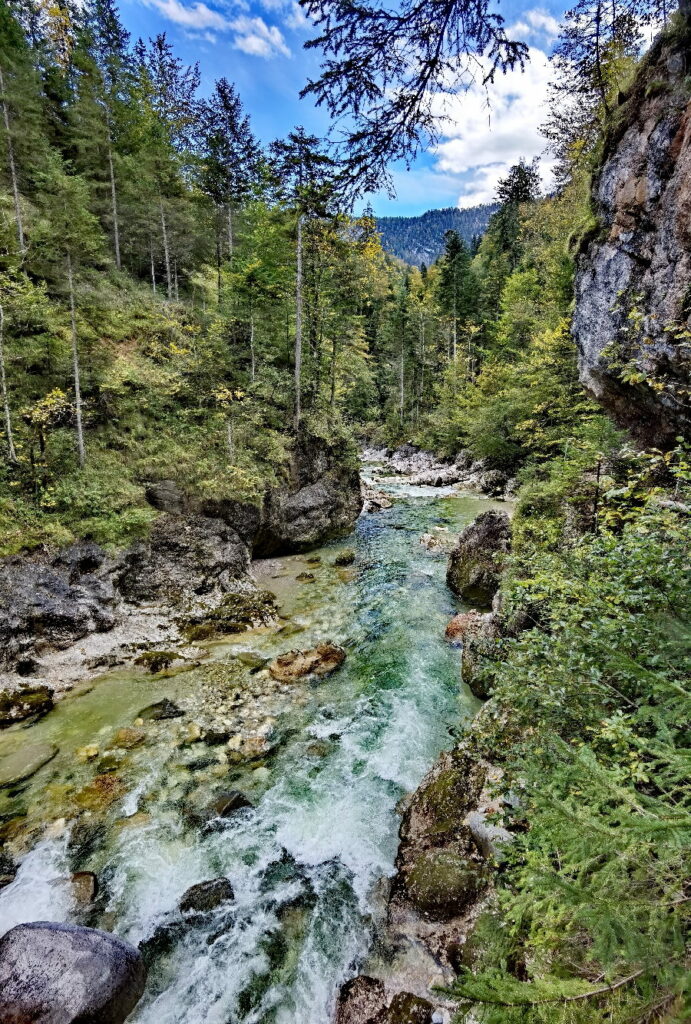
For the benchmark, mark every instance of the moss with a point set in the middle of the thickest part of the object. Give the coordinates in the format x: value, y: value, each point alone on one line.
x: 235, y: 614
x: 443, y: 883
x: 26, y: 703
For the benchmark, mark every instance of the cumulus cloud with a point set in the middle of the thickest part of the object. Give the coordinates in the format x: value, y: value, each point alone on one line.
x: 535, y: 22
x: 486, y: 130
x: 250, y: 34
x: 254, y: 36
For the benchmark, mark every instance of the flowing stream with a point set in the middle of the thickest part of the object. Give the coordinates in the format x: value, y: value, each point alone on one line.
x: 306, y: 862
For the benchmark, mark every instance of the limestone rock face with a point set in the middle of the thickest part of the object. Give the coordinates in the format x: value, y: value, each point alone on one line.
x: 322, y: 501
x: 633, y: 301
x: 64, y: 974
x: 51, y: 604
x: 475, y: 563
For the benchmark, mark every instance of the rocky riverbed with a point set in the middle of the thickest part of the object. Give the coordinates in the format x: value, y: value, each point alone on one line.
x: 260, y: 771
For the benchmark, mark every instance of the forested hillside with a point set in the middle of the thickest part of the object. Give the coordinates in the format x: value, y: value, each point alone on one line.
x: 418, y: 240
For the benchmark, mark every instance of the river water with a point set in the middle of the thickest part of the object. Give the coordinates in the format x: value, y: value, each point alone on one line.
x: 307, y: 861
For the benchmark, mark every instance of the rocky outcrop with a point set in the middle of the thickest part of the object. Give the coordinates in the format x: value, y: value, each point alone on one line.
x: 364, y: 1000
x: 633, y: 299
x: 64, y: 973
x: 475, y: 564
x: 322, y: 501
x: 52, y: 603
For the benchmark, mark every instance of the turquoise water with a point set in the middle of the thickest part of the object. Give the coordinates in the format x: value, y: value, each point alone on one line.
x: 307, y: 861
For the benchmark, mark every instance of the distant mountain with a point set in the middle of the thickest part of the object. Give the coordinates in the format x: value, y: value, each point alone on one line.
x: 421, y: 239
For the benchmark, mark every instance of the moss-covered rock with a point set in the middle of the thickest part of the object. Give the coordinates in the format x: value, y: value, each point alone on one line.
x: 29, y: 702
x: 156, y: 661
x: 406, y: 1008
x: 236, y: 613
x: 441, y: 883
x: 475, y: 564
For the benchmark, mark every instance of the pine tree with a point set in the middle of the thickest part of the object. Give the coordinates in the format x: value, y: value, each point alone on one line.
x: 307, y: 182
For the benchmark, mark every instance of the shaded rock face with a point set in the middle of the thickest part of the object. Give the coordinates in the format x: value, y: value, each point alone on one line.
x: 475, y: 563
x: 322, y: 502
x: 640, y: 259
x: 65, y: 974
x: 477, y: 633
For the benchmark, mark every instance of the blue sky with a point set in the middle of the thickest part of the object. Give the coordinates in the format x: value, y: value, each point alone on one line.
x: 258, y: 45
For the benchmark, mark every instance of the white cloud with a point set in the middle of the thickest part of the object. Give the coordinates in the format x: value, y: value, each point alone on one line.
x: 198, y: 16
x: 489, y: 129
x: 535, y: 22
x: 251, y: 35
x: 254, y: 36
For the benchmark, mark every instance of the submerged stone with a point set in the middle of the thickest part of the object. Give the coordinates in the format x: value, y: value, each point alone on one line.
x: 320, y: 661
x: 21, y: 764
x: 161, y: 710
x: 345, y: 558
x: 206, y: 896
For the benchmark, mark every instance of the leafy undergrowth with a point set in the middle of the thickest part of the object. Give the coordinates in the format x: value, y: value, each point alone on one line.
x: 590, y: 722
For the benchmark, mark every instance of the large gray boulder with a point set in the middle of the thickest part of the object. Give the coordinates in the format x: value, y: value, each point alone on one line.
x: 475, y: 564
x: 52, y: 605
x: 633, y: 308
x: 64, y: 974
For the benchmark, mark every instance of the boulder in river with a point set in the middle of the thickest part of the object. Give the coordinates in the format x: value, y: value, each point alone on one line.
x: 319, y: 661
x: 226, y: 804
x: 29, y: 702
x: 478, y: 633
x: 65, y: 974
x: 206, y: 896
x: 362, y: 1000
x: 475, y: 564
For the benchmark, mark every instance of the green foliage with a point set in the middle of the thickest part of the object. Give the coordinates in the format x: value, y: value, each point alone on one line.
x: 591, y: 729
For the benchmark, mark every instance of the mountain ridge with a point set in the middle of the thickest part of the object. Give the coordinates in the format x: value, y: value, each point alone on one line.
x: 420, y: 239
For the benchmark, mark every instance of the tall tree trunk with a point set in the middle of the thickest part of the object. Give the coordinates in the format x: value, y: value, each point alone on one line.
x: 11, y: 453
x: 230, y: 442
x: 175, y: 279
x: 13, y: 167
x: 402, y: 386
x: 217, y: 220
x: 75, y: 367
x: 334, y: 353
x: 114, y: 203
x: 166, y: 251
x: 298, y: 327
x: 153, y: 267
x: 230, y: 231
x: 252, y: 352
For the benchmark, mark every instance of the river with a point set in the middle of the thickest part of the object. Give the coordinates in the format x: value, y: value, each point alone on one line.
x: 306, y: 862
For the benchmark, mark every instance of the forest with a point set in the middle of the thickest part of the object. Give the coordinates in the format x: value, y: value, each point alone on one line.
x: 181, y: 303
